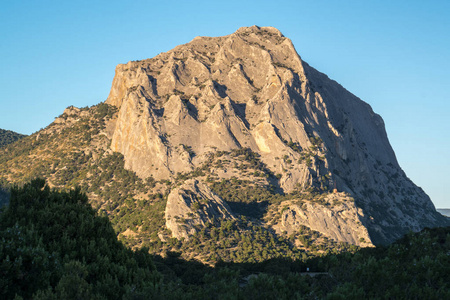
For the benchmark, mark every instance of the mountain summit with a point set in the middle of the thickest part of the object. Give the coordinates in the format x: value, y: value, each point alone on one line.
x: 229, y: 148
x: 252, y: 90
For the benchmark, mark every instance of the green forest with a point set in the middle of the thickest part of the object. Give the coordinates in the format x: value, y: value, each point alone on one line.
x: 54, y: 245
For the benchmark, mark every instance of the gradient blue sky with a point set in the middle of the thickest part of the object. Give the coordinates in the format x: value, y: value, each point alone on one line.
x: 395, y: 55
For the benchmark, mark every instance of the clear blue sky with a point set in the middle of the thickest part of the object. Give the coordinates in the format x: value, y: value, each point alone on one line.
x: 395, y: 55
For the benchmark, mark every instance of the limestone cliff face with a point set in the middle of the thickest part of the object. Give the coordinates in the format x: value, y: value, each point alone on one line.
x: 251, y: 89
x: 194, y: 204
x: 337, y: 217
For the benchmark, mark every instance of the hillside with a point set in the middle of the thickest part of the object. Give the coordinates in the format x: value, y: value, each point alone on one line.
x: 8, y: 137
x: 229, y: 149
x: 73, y: 151
x: 55, y: 246
x: 251, y: 90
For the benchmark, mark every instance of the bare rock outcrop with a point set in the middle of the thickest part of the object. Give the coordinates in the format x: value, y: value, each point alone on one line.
x: 193, y: 204
x: 336, y: 216
x: 251, y: 89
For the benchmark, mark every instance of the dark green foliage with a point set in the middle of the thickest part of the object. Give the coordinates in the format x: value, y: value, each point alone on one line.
x: 105, y: 111
x: 8, y: 137
x: 148, y: 215
x: 189, y: 150
x: 252, y: 160
x: 110, y: 180
x: 53, y: 245
x: 415, y: 267
x: 294, y: 146
x: 241, y: 241
x: 4, y: 195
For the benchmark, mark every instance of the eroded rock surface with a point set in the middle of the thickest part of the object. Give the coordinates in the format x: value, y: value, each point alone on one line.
x: 336, y: 216
x: 193, y: 204
x: 251, y: 89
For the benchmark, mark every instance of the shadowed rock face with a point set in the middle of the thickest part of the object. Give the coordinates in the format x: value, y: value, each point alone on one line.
x: 251, y: 89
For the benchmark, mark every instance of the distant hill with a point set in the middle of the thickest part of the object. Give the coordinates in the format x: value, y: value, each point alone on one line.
x: 8, y: 137
x: 444, y: 211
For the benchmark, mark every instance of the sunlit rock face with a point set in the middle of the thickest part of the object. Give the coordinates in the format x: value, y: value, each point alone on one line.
x: 251, y: 89
x: 194, y: 204
x: 336, y: 216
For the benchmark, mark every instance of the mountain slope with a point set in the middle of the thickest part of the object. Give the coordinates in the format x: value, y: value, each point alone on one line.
x: 55, y: 246
x: 229, y: 148
x: 8, y: 137
x: 251, y: 89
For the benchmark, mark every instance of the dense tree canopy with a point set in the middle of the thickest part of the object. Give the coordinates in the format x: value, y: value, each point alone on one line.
x: 53, y: 245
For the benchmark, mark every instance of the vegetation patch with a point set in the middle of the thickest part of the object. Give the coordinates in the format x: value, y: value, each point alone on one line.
x: 8, y: 137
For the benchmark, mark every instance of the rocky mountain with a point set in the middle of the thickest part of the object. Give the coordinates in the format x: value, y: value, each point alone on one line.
x: 229, y: 148
x: 252, y: 90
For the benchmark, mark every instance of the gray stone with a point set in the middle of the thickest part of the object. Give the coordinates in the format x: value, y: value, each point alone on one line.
x: 252, y: 89
x: 194, y: 204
